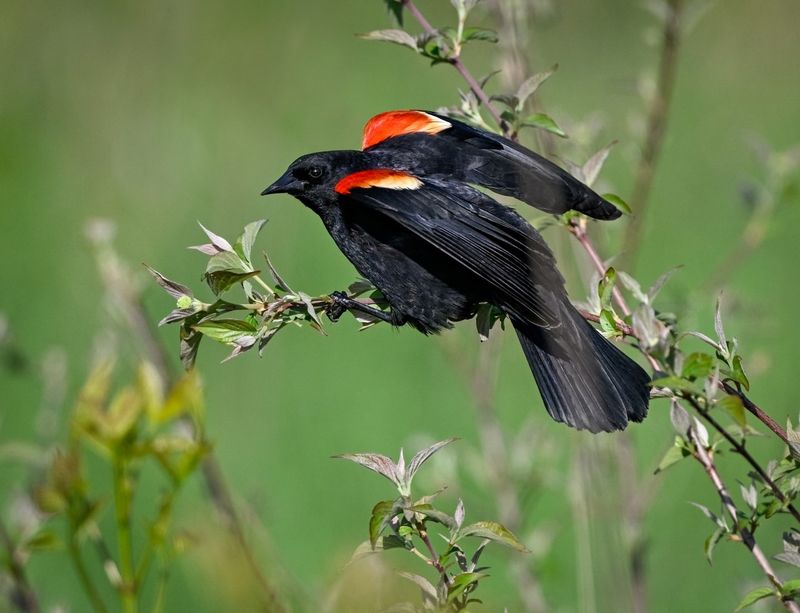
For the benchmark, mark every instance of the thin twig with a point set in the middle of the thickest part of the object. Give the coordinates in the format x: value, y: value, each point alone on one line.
x: 747, y: 537
x: 656, y: 124
x: 459, y: 66
x: 756, y: 410
x: 22, y: 594
x: 742, y: 451
x: 579, y: 231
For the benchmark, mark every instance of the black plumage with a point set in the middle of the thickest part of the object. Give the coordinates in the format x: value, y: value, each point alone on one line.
x: 403, y: 212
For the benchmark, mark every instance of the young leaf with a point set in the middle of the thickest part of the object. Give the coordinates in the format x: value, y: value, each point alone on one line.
x: 733, y: 405
x: 395, y: 9
x: 545, y: 122
x: 529, y: 86
x: 459, y: 515
x: 470, y: 34
x: 375, y: 462
x: 618, y: 202
x: 754, y: 596
x: 216, y: 240
x: 244, y: 244
x: 225, y: 330
x: 697, y: 366
x: 749, y: 495
x: 674, y: 455
x: 606, y: 286
x: 723, y: 342
x: 174, y: 289
x: 591, y: 169
x: 680, y: 418
x: 422, y: 456
x: 398, y: 37
x: 633, y: 286
x: 426, y: 586
x: 738, y: 373
x: 494, y: 532
x: 461, y: 583
x: 381, y: 513
x: 390, y: 541
x: 711, y: 542
x: 659, y: 283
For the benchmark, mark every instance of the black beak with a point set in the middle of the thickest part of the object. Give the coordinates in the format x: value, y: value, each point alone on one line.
x: 287, y: 184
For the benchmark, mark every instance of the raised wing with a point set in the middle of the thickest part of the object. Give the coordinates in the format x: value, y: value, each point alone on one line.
x: 430, y: 144
x: 503, y: 253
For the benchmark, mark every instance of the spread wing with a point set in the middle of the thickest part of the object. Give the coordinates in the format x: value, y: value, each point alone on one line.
x: 430, y: 144
x: 473, y: 232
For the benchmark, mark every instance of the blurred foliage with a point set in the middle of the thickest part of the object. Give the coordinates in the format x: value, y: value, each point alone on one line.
x: 159, y: 114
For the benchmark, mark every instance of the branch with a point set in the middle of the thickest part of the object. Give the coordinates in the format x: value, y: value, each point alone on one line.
x: 459, y: 66
x: 742, y: 451
x: 656, y: 124
x: 747, y: 537
x: 756, y: 410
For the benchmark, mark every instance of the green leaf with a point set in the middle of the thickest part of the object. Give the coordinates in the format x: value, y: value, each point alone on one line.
x: 592, y: 167
x: 754, y: 596
x: 44, y: 540
x: 605, y: 287
x: 545, y: 122
x: 426, y: 586
x: 711, y: 542
x: 176, y: 290
x: 436, y: 515
x: 216, y: 240
x: 697, y: 366
x: 494, y: 532
x: 390, y: 541
x: 225, y: 330
x: 738, y: 373
x: 461, y: 583
x: 791, y: 588
x: 733, y: 405
x: 220, y: 281
x: 395, y: 9
x: 470, y: 34
x: 719, y: 329
x: 607, y: 322
x: 189, y: 344
x: 244, y: 244
x: 529, y: 86
x: 398, y: 37
x: 674, y: 455
x: 659, y: 283
x: 618, y: 202
x: 381, y: 514
x: 677, y: 384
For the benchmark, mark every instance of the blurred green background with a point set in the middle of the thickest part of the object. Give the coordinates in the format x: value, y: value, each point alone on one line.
x: 157, y: 114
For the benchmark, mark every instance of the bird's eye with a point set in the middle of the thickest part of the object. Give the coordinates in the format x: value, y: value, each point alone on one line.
x: 315, y: 172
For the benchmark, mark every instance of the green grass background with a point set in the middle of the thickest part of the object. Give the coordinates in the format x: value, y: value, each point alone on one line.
x: 157, y: 114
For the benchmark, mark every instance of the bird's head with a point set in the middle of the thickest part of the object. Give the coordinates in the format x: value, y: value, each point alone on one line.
x: 312, y: 178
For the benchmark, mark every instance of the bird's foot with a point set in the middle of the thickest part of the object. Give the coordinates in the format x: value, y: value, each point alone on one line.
x: 338, y: 306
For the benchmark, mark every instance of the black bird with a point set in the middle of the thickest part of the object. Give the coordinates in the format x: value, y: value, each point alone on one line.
x: 404, y: 214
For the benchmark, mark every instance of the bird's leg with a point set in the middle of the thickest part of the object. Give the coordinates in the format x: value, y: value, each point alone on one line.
x: 340, y: 303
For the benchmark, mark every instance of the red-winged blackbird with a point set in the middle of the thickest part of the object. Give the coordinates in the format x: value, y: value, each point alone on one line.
x: 404, y: 214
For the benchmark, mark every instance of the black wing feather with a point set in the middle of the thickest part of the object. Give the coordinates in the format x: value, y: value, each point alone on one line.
x: 497, y: 163
x: 503, y: 252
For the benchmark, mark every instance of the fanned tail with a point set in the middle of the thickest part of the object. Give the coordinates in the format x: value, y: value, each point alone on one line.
x: 585, y: 381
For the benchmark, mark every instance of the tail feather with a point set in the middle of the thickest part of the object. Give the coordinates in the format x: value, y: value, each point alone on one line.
x: 585, y: 381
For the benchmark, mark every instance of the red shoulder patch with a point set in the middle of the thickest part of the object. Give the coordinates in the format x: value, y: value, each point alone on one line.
x: 380, y: 177
x: 394, y: 123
